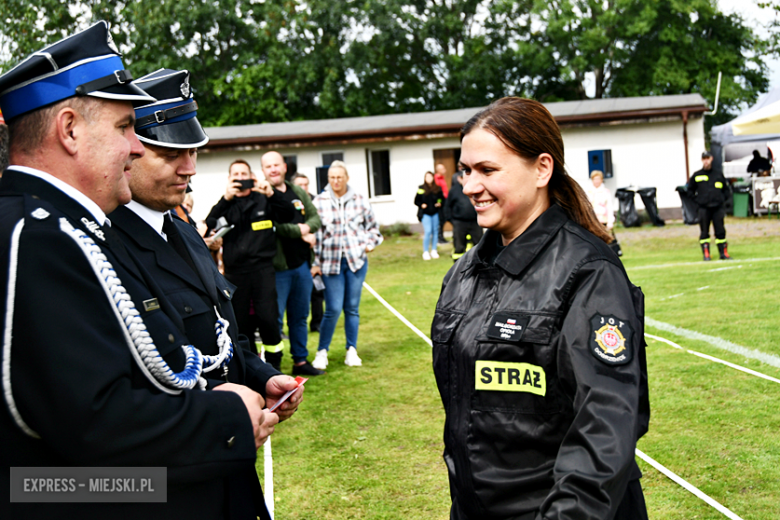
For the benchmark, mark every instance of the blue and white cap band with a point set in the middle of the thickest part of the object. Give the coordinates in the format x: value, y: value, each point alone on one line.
x: 84, y: 64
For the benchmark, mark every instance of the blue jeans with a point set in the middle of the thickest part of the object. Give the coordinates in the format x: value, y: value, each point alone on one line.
x: 342, y: 291
x: 430, y: 229
x: 293, y: 292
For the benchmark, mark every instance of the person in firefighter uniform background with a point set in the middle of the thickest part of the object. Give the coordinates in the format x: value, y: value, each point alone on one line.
x: 711, y: 190
x: 538, y: 339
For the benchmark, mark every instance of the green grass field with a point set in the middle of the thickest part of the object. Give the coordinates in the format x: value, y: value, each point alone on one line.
x: 366, y: 443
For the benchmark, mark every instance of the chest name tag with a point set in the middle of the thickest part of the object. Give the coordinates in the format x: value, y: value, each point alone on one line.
x: 262, y: 224
x: 151, y: 305
x: 505, y: 326
x: 505, y: 376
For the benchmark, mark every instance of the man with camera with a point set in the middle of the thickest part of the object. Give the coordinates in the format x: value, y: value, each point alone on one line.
x: 252, y: 206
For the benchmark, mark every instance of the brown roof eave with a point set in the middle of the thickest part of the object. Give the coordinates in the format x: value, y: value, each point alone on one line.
x: 451, y: 129
x: 337, y: 136
x: 631, y: 114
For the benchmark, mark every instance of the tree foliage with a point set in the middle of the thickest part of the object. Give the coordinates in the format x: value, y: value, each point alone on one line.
x: 278, y: 60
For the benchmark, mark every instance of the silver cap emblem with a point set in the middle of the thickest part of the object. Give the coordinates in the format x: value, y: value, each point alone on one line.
x: 185, y: 89
x: 40, y: 214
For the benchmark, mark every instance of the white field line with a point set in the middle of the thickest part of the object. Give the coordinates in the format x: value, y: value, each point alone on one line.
x: 268, y: 462
x: 398, y: 315
x: 693, y: 489
x: 724, y: 268
x: 769, y: 359
x: 716, y: 360
x: 641, y: 455
x: 699, y: 263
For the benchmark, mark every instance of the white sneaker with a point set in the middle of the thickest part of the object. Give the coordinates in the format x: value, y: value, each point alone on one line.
x: 320, y: 360
x: 426, y: 256
x: 352, y: 359
x: 434, y: 254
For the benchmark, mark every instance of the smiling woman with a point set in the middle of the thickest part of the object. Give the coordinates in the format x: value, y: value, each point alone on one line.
x: 538, y: 346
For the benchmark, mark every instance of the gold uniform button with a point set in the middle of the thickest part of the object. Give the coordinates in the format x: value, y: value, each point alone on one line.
x: 171, y: 338
x: 230, y: 442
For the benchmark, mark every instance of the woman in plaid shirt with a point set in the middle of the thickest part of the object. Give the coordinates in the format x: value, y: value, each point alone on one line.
x: 349, y: 231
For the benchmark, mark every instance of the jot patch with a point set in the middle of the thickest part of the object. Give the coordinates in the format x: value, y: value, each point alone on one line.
x: 610, y: 339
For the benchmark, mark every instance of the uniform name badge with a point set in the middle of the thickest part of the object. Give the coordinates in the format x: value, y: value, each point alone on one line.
x: 507, y: 376
x: 506, y: 326
x: 262, y: 224
x: 610, y: 339
x: 151, y: 305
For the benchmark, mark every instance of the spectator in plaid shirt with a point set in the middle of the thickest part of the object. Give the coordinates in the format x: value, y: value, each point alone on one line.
x: 349, y: 231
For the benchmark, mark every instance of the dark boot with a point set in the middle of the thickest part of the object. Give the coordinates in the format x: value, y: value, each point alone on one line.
x: 705, y: 248
x: 274, y: 359
x: 723, y: 249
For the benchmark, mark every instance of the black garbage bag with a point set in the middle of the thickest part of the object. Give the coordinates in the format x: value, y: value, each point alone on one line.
x: 690, y: 209
x: 628, y: 215
x: 651, y: 206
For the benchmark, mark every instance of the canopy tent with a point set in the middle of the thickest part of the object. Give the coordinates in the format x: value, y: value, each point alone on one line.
x: 728, y: 145
x: 765, y: 120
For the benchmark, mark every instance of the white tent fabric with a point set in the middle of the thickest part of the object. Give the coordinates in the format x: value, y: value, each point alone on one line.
x: 723, y: 135
x: 765, y: 120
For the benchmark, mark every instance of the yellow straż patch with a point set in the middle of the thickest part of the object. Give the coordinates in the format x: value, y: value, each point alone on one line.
x: 262, y: 224
x: 505, y: 376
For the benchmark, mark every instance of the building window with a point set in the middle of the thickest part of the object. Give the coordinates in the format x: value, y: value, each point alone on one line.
x: 329, y: 157
x: 322, y: 171
x: 292, y: 166
x: 378, y: 172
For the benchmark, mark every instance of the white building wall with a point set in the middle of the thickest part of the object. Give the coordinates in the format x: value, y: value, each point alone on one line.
x: 409, y: 160
x: 645, y: 154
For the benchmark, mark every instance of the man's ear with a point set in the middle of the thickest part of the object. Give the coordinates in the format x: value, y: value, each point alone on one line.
x: 68, y: 125
x: 544, y: 169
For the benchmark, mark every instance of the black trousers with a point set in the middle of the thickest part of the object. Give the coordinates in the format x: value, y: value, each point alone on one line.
x: 317, y: 302
x: 441, y: 224
x: 460, y: 230
x: 716, y: 216
x: 259, y: 288
x: 632, y: 507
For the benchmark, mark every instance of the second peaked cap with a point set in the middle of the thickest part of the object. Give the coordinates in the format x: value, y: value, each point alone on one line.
x: 170, y: 121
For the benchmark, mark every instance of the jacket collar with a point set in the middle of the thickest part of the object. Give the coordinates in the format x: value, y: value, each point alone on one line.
x: 104, y: 236
x: 67, y: 189
x: 147, y: 238
x: 154, y: 218
x: 350, y: 193
x: 522, y: 250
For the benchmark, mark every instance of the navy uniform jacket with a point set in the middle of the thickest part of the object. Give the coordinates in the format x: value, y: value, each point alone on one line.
x: 194, y: 296
x: 76, y: 395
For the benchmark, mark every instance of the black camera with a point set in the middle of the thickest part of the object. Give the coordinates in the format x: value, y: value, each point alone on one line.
x: 246, y: 184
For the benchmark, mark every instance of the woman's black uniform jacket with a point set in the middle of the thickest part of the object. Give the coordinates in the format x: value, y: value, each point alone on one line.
x: 540, y: 362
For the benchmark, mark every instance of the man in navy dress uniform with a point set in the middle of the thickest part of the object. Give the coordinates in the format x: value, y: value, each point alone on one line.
x: 176, y: 255
x: 96, y: 370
